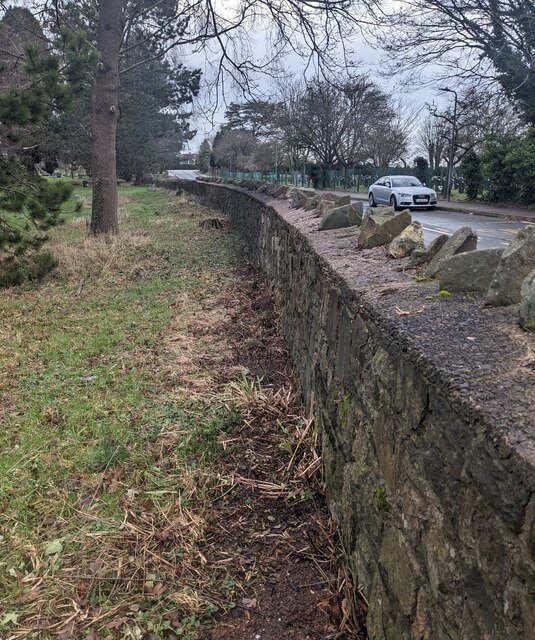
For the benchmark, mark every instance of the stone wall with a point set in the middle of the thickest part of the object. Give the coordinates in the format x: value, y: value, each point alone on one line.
x: 427, y: 412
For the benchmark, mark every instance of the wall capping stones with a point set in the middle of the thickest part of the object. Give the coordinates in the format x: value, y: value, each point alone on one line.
x: 427, y: 414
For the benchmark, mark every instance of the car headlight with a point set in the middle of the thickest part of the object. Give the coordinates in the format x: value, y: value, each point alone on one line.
x: 404, y: 195
x: 433, y: 194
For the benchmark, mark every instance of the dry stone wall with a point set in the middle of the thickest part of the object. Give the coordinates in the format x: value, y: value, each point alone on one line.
x: 427, y: 415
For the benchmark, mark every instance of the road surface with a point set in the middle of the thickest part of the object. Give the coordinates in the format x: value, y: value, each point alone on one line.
x: 492, y: 232
x: 183, y: 174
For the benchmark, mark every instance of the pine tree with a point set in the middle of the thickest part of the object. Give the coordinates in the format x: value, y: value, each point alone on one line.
x: 153, y: 125
x: 36, y: 85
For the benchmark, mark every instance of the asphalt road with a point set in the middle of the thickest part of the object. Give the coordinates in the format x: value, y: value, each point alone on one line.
x: 492, y: 232
x: 183, y: 174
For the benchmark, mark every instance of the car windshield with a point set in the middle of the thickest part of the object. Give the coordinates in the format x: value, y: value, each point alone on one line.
x: 406, y: 181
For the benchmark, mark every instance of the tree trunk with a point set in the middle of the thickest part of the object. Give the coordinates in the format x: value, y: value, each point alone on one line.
x: 138, y: 179
x: 104, y: 112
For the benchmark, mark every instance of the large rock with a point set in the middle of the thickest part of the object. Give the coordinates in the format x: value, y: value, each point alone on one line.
x: 464, y: 239
x: 470, y: 271
x: 381, y: 211
x: 411, y: 238
x: 424, y: 256
x: 283, y: 191
x: 527, y: 303
x: 380, y: 229
x: 347, y: 216
x: 298, y: 197
x: 330, y: 201
x: 272, y: 188
x: 324, y: 206
x: 518, y: 260
x: 312, y: 203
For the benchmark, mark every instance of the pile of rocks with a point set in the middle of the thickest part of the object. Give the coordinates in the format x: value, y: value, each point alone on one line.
x: 505, y: 276
x: 378, y: 227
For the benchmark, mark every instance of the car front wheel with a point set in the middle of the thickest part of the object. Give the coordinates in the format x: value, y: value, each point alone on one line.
x: 371, y: 200
x: 394, y: 203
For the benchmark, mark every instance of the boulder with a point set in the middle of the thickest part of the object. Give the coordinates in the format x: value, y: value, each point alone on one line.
x: 328, y: 196
x: 423, y: 256
x: 328, y: 201
x: 527, y: 302
x: 312, y: 203
x: 324, y: 206
x: 347, y: 216
x: 273, y: 186
x: 342, y: 201
x: 378, y: 229
x: 298, y: 197
x: 464, y: 239
x: 283, y: 192
x: 279, y: 191
x: 411, y: 238
x: 469, y: 271
x: 382, y: 211
x: 518, y: 260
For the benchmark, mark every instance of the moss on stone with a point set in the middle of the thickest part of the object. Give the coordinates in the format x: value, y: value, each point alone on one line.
x: 381, y: 499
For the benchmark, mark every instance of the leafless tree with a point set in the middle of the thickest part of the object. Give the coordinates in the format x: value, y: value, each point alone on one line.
x: 431, y: 140
x: 480, y: 114
x: 366, y: 112
x: 322, y: 119
x: 289, y: 125
x: 388, y: 140
x: 352, y: 122
x: 234, y: 149
x: 471, y: 39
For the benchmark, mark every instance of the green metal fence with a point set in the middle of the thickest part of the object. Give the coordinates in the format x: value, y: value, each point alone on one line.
x: 357, y: 178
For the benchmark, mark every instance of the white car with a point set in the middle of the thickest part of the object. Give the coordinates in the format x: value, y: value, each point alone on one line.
x: 401, y: 192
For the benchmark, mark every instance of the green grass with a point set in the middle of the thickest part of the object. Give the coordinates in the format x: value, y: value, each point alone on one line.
x: 98, y: 453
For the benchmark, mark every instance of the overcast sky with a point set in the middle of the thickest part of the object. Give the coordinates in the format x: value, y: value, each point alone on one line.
x: 207, y: 119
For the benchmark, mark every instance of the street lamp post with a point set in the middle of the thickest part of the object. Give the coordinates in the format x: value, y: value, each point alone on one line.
x: 453, y: 141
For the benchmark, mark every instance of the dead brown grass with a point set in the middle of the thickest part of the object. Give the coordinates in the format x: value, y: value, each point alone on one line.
x: 93, y: 257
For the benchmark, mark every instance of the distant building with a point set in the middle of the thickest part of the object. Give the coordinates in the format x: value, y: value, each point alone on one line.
x: 189, y: 159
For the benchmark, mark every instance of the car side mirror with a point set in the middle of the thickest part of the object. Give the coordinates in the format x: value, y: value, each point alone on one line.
x: 387, y: 184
